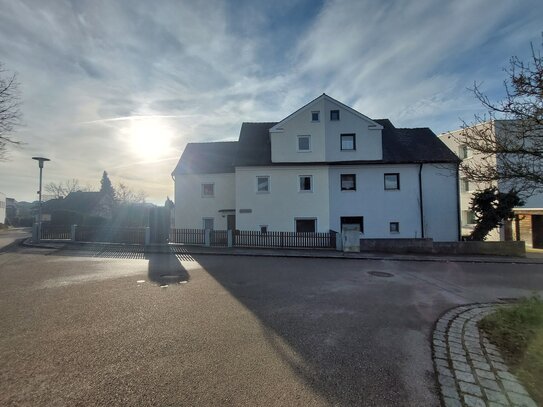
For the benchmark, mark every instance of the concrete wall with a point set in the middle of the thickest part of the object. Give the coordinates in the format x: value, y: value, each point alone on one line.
x: 279, y: 208
x: 191, y: 207
x: 378, y: 206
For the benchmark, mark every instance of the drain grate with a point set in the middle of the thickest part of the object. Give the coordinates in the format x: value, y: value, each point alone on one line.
x: 380, y: 274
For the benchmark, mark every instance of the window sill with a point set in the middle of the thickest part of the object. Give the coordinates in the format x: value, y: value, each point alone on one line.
x: 262, y: 192
x: 303, y: 151
x: 305, y: 192
x: 348, y: 190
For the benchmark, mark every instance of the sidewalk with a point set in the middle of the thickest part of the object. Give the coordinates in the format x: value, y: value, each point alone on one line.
x: 531, y: 258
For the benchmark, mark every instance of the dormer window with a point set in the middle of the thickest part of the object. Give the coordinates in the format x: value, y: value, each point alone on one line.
x: 334, y: 115
x: 315, y: 116
x: 304, y: 144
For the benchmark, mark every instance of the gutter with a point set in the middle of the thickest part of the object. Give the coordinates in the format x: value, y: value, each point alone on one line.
x: 421, y: 205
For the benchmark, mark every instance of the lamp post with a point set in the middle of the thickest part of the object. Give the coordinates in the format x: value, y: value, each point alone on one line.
x: 40, y: 160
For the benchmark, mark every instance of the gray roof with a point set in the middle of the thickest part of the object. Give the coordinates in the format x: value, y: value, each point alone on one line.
x: 400, y: 146
x: 207, y: 158
x: 80, y: 201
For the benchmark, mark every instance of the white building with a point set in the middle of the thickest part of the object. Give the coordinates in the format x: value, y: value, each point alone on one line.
x: 323, y: 166
x: 528, y: 222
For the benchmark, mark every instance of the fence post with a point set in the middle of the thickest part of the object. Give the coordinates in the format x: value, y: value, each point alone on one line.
x: 207, y: 237
x: 339, y: 242
x: 230, y: 237
x: 147, y: 236
x: 35, y: 237
x: 72, y: 232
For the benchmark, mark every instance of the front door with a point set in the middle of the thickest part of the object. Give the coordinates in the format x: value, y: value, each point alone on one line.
x: 231, y: 222
x: 537, y: 231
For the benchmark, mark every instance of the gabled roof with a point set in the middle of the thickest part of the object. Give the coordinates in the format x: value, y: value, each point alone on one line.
x: 207, y: 158
x: 254, y: 147
x: 277, y: 126
x: 80, y: 201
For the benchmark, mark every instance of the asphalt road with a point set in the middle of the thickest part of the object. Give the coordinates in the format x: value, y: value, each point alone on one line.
x: 80, y: 330
x: 9, y: 236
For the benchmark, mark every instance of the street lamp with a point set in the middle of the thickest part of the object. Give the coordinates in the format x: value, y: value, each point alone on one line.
x: 40, y: 161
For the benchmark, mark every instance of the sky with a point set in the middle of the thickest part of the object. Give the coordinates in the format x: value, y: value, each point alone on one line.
x: 123, y: 86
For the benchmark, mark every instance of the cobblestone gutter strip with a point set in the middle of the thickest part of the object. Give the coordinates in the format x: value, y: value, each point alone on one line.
x: 470, y: 370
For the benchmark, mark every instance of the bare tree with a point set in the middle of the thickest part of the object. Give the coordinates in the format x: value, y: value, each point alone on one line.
x: 125, y: 195
x: 62, y: 189
x: 509, y: 146
x: 10, y: 115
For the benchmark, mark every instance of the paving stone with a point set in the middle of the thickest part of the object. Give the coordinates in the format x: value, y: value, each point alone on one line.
x: 495, y: 358
x: 496, y: 396
x: 457, y: 350
x: 508, y: 376
x: 500, y: 366
x: 521, y: 400
x: 490, y: 384
x: 440, y: 353
x: 476, y: 357
x: 471, y: 342
x: 470, y: 388
x: 446, y: 380
x: 439, y: 336
x: 481, y: 365
x: 454, y: 339
x: 485, y: 374
x: 450, y: 391
x: 514, y: 387
x: 464, y: 376
x: 451, y: 402
x: 445, y: 371
x: 459, y: 358
x: 437, y: 342
x: 494, y: 404
x: 461, y: 366
x: 472, y: 401
x: 441, y: 362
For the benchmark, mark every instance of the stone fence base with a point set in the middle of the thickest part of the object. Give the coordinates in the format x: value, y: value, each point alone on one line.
x: 428, y: 246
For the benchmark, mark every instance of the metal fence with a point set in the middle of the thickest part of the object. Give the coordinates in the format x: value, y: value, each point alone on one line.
x: 187, y: 236
x: 110, y: 235
x: 284, y: 239
x: 49, y: 232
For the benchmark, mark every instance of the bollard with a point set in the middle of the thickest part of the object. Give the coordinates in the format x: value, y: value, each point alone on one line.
x: 74, y: 228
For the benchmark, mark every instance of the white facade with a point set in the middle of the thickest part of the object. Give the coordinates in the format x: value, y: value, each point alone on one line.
x: 192, y: 206
x: 309, y: 151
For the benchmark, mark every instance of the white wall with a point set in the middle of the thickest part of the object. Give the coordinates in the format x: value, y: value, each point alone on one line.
x: 368, y: 142
x: 284, y: 144
x: 439, y: 190
x: 378, y: 206
x: 191, y: 207
x: 279, y: 208
x: 2, y: 208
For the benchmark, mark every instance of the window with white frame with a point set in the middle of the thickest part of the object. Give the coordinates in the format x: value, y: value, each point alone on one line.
x: 315, y: 116
x: 394, y: 227
x: 463, y: 151
x: 348, y: 182
x: 306, y: 183
x: 348, y: 142
x: 208, y: 190
x: 263, y: 184
x: 304, y: 143
x: 263, y: 228
x: 334, y: 115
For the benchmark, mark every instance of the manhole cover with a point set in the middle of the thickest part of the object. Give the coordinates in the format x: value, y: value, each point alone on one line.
x: 380, y: 274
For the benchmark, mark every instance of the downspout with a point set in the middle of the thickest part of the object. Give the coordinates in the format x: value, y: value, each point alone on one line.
x: 458, y: 220
x: 421, y: 205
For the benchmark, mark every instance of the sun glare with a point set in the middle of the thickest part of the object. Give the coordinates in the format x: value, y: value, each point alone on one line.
x: 150, y: 137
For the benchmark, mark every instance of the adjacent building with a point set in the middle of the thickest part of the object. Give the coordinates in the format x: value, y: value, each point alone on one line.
x: 528, y: 222
x: 324, y: 166
x: 3, y: 206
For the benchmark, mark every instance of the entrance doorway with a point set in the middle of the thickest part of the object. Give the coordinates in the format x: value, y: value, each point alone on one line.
x: 537, y: 231
x: 231, y: 222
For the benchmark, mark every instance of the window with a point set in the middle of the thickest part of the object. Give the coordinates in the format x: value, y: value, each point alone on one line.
x: 353, y: 220
x: 392, y: 181
x: 304, y: 143
x: 315, y: 116
x: 468, y: 218
x: 306, y: 225
x: 463, y: 151
x: 394, y: 227
x: 464, y: 185
x: 263, y: 184
x: 208, y: 223
x: 208, y: 190
x: 348, y: 182
x: 334, y: 115
x: 263, y: 228
x: 306, y: 183
x: 348, y: 142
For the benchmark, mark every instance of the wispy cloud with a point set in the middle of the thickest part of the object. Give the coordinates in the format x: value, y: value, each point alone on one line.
x: 95, y: 73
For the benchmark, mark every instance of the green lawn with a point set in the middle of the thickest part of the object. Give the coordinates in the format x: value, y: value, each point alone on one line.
x: 518, y: 332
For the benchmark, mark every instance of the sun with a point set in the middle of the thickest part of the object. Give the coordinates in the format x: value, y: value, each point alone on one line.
x: 149, y: 137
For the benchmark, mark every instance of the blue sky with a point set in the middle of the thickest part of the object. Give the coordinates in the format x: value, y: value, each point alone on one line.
x: 122, y: 86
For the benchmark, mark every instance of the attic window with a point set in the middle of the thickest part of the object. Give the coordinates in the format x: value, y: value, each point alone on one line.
x: 315, y: 116
x: 208, y: 190
x: 334, y: 115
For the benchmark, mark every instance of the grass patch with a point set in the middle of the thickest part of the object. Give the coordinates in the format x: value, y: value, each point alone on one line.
x: 517, y: 331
